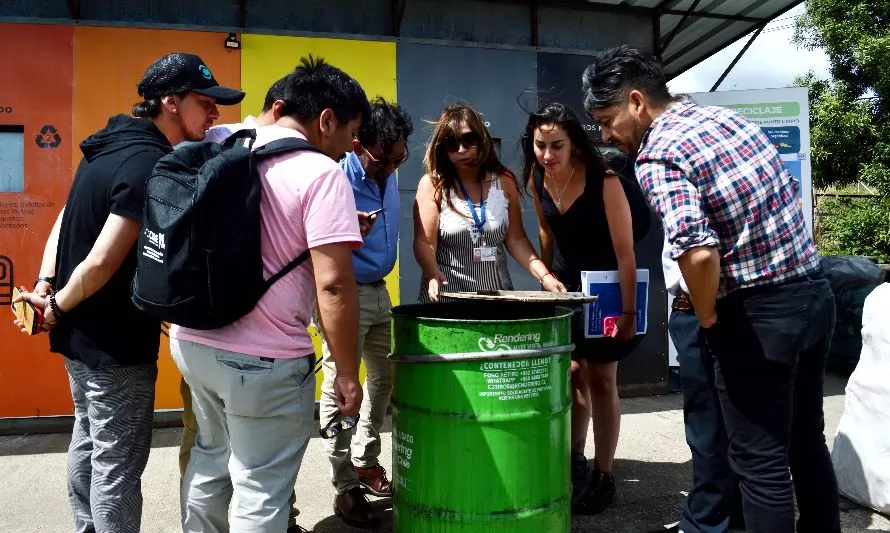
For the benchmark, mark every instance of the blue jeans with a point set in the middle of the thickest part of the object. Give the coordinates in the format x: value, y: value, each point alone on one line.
x: 714, y: 486
x: 771, y: 345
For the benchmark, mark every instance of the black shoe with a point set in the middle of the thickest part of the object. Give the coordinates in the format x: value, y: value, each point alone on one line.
x: 353, y: 508
x: 600, y: 494
x: 581, y: 476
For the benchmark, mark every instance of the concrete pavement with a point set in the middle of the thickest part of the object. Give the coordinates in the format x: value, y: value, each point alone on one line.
x: 652, y: 471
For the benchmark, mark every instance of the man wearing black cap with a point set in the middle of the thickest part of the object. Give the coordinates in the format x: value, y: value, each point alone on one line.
x: 110, y: 349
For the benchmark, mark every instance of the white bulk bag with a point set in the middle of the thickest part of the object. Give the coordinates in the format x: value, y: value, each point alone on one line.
x: 861, y: 453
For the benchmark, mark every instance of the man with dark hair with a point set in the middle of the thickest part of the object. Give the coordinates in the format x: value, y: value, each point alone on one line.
x: 733, y: 220
x: 381, y: 147
x: 110, y: 348
x: 269, y: 115
x: 253, y: 381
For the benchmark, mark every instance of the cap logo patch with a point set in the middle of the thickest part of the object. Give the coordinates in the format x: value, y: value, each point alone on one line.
x: 205, y: 72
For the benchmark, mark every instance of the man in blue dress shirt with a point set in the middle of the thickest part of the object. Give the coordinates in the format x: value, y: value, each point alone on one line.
x: 381, y: 147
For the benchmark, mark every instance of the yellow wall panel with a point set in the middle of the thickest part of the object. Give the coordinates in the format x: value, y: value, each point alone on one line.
x: 267, y: 58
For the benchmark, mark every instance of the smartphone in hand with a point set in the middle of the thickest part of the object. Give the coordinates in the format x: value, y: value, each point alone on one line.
x: 375, y: 212
x: 26, y: 313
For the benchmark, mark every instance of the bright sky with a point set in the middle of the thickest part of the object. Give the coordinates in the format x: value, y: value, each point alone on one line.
x: 771, y: 62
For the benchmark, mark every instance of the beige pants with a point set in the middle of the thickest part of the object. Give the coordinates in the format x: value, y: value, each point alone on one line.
x: 360, y: 446
x: 190, y: 430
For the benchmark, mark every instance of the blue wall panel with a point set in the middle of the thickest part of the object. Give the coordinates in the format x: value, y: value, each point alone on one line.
x: 493, y: 82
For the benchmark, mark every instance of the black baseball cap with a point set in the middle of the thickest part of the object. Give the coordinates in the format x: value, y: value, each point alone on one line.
x: 179, y: 73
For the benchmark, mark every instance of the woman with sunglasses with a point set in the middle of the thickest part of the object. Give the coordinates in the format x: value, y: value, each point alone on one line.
x: 467, y: 214
x: 585, y: 223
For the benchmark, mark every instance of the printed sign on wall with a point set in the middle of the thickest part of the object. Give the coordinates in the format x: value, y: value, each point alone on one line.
x: 784, y: 115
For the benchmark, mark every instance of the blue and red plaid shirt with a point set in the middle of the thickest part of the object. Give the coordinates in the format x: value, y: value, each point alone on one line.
x: 716, y: 180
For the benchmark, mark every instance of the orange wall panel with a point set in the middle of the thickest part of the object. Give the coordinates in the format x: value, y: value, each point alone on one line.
x: 35, y: 92
x: 108, y: 64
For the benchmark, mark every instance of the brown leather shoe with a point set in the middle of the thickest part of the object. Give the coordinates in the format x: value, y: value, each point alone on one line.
x: 373, y: 480
x: 354, y: 508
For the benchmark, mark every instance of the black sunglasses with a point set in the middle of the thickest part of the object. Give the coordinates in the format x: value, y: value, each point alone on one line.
x: 468, y: 140
x: 337, y: 424
x: 385, y: 162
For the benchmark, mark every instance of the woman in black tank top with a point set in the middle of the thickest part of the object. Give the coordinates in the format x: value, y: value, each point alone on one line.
x: 584, y: 224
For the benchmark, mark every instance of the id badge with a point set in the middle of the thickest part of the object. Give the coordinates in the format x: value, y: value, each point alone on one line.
x: 484, y: 254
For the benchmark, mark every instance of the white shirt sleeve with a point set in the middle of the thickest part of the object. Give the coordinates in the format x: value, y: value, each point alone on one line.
x: 673, y: 278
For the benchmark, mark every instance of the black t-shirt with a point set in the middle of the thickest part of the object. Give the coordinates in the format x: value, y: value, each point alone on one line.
x: 106, y: 329
x: 582, y: 240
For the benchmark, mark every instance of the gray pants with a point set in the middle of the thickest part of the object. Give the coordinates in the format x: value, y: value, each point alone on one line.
x: 113, y: 414
x: 374, y: 345
x: 255, y: 418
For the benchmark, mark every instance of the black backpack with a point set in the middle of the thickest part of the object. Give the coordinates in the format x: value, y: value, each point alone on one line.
x: 640, y: 212
x: 198, y: 257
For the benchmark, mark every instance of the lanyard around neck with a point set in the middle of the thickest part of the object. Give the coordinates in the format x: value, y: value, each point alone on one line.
x: 479, y: 220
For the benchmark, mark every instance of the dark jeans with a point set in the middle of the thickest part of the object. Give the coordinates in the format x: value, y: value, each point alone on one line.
x: 714, y: 494
x: 771, y: 346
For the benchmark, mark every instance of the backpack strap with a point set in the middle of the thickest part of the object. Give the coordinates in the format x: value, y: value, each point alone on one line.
x: 300, y: 259
x: 282, y: 146
x: 239, y: 135
x: 285, y: 145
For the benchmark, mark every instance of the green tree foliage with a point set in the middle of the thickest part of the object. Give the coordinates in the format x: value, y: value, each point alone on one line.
x: 857, y: 226
x: 850, y: 119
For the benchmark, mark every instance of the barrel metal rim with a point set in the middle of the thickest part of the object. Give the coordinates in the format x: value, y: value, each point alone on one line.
x: 483, y: 356
x: 560, y: 312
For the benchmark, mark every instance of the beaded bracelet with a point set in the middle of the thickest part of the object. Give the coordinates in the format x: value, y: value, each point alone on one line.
x: 57, y: 311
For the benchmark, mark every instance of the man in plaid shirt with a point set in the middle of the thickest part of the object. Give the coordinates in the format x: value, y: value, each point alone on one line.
x: 734, y: 224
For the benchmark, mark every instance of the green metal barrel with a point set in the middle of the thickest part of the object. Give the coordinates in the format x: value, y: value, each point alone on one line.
x: 481, y: 418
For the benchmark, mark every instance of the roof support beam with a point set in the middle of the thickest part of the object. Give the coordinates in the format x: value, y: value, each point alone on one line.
x: 656, y: 37
x: 718, y: 16
x: 74, y: 8
x: 397, y: 7
x: 665, y: 8
x: 579, y: 5
x: 667, y: 41
x: 718, y: 31
x: 738, y: 56
x: 242, y: 14
x: 667, y: 5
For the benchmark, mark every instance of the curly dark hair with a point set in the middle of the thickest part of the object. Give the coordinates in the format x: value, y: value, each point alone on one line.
x: 617, y: 71
x: 385, y: 125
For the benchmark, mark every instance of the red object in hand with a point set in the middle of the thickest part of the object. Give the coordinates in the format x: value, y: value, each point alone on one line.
x: 610, y: 326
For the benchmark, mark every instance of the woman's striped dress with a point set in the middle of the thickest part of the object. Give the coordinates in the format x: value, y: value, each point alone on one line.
x: 458, y: 237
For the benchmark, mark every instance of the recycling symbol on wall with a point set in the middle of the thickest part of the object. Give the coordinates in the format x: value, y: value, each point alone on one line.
x: 48, y: 137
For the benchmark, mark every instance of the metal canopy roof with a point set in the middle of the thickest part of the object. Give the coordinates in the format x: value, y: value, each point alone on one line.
x: 689, y: 31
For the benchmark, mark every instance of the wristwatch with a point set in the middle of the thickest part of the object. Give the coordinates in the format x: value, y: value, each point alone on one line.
x: 49, y: 279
